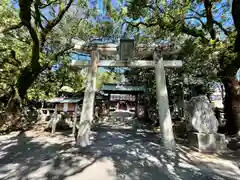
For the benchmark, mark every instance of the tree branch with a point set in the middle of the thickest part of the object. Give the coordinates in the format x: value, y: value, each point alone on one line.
x: 197, y: 18
x: 44, y: 17
x: 60, y: 15
x: 201, y: 15
x: 236, y: 20
x: 51, y: 24
x: 231, y: 68
x: 195, y: 33
x: 225, y: 31
x: 12, y: 61
x: 211, y: 20
x: 3, y: 49
x: 13, y: 56
x: 67, y: 48
x: 42, y: 6
x: 25, y: 15
x: 184, y: 29
x: 142, y: 23
x: 37, y: 16
x: 208, y: 9
x: 57, y: 54
x: 16, y: 26
x: 22, y: 39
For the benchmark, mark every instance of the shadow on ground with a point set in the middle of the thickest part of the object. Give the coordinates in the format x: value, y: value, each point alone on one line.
x: 118, y: 152
x: 233, y: 154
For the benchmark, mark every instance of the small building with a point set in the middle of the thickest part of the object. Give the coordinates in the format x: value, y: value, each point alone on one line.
x: 68, y: 107
x: 123, y: 96
x: 67, y: 101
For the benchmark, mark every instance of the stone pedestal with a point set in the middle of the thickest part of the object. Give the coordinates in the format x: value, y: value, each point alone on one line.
x: 208, y: 143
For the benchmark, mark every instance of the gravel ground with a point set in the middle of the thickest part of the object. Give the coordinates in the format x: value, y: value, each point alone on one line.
x: 119, y: 151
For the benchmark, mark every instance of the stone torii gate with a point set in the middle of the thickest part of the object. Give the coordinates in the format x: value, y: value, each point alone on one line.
x: 126, y: 59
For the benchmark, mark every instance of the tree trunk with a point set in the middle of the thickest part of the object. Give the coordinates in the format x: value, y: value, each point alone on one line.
x: 13, y: 113
x: 26, y: 79
x: 236, y: 20
x: 232, y: 96
x: 231, y: 106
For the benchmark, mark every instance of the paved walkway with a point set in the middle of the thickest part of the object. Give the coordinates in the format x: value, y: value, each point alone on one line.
x: 119, y: 151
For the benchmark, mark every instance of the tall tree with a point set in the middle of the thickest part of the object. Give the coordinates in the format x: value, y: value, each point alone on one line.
x: 169, y: 20
x: 234, y: 66
x: 46, y: 37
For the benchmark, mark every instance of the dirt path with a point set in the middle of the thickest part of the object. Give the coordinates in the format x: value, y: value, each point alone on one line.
x: 118, y: 152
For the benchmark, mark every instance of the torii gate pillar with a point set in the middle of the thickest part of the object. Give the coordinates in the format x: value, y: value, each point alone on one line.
x: 163, y: 105
x: 88, y: 102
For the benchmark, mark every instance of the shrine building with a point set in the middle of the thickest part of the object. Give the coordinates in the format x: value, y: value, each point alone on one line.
x: 123, y: 97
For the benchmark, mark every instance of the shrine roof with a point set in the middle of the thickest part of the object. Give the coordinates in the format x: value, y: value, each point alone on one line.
x: 67, y: 97
x: 64, y: 100
x: 123, y: 88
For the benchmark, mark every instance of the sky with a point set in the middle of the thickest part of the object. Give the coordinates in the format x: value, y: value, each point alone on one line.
x: 99, y: 4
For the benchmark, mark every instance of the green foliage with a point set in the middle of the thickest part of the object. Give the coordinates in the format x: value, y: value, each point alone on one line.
x: 106, y: 77
x: 55, y: 46
x: 14, y: 48
x: 184, y: 24
x: 50, y: 82
x: 181, y: 23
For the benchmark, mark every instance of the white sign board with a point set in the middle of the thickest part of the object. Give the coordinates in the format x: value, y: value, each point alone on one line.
x: 65, y: 107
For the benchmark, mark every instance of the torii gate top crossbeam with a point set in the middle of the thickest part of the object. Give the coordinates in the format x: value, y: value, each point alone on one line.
x: 131, y: 64
x: 112, y: 49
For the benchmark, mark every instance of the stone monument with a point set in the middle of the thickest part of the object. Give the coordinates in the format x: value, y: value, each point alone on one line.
x: 202, y: 124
